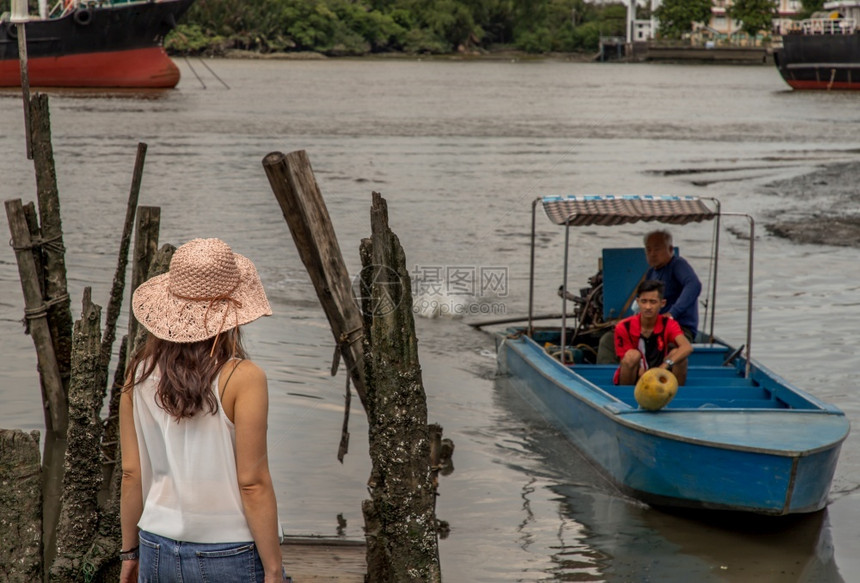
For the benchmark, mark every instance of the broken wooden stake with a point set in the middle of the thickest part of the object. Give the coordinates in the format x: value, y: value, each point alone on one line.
x: 400, y: 517
x: 145, y: 246
x: 36, y: 312
x: 53, y: 250
x: 295, y: 188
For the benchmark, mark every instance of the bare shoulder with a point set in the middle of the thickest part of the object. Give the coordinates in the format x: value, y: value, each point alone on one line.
x: 246, y: 373
x: 243, y: 369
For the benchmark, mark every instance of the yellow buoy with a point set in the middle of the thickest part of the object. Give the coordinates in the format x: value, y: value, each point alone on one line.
x: 656, y: 387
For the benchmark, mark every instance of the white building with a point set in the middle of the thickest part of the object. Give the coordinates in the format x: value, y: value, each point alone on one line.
x: 720, y: 25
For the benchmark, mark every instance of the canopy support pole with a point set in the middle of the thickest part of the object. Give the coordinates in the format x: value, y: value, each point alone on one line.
x: 564, y: 292
x: 750, y: 293
x: 749, y: 288
x: 713, y: 298
x: 530, y: 330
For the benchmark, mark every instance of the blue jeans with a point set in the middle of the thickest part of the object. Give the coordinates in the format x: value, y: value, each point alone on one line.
x: 164, y: 560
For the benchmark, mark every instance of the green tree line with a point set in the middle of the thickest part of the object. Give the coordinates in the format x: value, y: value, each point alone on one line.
x: 360, y: 27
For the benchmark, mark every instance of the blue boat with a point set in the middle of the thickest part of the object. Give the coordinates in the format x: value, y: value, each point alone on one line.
x: 736, y: 437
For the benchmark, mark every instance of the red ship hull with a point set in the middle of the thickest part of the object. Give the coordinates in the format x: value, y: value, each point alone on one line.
x: 104, y: 45
x: 825, y: 85
x: 149, y: 68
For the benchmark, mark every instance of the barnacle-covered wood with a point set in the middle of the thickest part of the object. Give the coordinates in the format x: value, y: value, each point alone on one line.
x: 400, y: 518
x: 21, y: 501
x: 82, y: 479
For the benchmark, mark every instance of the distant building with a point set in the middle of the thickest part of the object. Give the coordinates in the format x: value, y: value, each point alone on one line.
x: 720, y: 27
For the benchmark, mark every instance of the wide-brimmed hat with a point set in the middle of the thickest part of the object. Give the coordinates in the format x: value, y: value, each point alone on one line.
x: 208, y: 290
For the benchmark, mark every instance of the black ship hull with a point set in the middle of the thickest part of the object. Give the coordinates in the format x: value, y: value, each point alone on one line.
x: 808, y: 61
x: 99, y: 46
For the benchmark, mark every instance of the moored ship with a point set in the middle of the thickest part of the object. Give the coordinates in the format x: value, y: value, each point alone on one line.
x: 823, y: 51
x: 105, y: 43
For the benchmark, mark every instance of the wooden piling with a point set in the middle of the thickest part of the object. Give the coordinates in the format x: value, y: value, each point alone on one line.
x: 114, y: 308
x: 400, y: 520
x: 400, y: 517
x: 159, y: 263
x: 118, y: 287
x: 294, y: 185
x: 21, y: 501
x: 53, y: 250
x: 145, y: 246
x: 82, y: 480
x: 111, y: 455
x: 37, y: 315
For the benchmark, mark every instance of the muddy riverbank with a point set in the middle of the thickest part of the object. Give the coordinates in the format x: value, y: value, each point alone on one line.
x: 821, y: 207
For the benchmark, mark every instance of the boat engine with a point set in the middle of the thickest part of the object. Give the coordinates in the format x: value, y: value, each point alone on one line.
x: 588, y: 305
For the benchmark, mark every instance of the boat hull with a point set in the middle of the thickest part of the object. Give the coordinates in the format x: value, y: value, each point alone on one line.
x: 109, y: 46
x: 828, y: 61
x: 136, y: 68
x: 651, y: 456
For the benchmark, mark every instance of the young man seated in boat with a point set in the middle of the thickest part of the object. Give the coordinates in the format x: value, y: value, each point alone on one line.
x: 650, y: 339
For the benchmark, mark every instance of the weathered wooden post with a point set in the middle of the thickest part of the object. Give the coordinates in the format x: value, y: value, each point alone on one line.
x: 159, y: 263
x: 82, y: 479
x: 109, y: 445
x: 295, y: 188
x: 34, y: 277
x: 21, y: 501
x: 37, y: 316
x: 118, y: 287
x: 145, y: 246
x: 400, y: 517
x: 53, y: 250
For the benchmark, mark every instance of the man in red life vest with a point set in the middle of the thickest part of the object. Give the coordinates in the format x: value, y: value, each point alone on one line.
x: 650, y: 339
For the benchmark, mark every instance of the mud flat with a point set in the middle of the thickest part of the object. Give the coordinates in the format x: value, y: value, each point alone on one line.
x: 821, y: 208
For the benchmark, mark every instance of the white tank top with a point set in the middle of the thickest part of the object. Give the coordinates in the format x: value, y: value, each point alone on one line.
x: 188, y: 472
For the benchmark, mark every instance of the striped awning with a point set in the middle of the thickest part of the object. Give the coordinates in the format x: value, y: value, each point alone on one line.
x: 617, y: 210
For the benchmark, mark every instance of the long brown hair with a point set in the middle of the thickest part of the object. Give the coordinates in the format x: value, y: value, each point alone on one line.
x: 187, y: 371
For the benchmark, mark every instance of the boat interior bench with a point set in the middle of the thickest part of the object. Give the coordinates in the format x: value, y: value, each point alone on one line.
x: 710, y: 384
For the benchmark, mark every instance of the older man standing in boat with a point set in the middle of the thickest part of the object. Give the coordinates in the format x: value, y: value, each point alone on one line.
x: 650, y: 339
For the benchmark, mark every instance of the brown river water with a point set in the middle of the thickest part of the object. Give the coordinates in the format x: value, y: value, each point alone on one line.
x: 460, y: 149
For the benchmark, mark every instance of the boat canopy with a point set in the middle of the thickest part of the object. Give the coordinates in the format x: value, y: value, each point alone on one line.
x: 608, y: 210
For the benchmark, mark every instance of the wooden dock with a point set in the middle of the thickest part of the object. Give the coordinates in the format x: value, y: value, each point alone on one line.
x: 324, y: 559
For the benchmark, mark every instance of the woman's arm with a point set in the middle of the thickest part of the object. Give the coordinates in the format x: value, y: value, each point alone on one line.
x: 131, y: 496
x: 250, y: 408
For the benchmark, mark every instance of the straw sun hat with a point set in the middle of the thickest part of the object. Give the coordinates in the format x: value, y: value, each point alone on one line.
x: 208, y: 290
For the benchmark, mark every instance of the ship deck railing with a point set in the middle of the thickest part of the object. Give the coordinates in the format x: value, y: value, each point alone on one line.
x: 827, y: 26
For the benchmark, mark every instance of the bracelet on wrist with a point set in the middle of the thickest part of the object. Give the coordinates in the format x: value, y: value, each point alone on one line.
x: 130, y: 555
